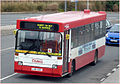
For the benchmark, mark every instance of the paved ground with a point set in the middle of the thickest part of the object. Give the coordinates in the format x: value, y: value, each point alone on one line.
x: 10, y: 19
x: 87, y: 74
x: 113, y: 78
x: 113, y: 17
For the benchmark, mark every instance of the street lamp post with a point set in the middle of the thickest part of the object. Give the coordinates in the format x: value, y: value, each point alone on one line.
x: 65, y: 5
x: 75, y: 1
x: 76, y: 5
x: 87, y: 4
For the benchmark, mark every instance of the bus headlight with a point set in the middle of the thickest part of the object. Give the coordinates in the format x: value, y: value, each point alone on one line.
x: 20, y: 63
x: 54, y: 66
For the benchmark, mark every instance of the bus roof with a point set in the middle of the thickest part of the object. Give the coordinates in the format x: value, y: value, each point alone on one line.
x: 66, y: 20
x: 66, y: 17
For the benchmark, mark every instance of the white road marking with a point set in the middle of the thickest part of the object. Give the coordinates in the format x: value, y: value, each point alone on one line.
x: 108, y: 74
x: 6, y: 49
x: 8, y: 76
x: 117, y: 66
x: 102, y: 79
x: 114, y: 70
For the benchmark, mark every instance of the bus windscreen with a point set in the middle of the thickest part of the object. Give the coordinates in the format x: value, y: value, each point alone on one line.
x: 39, y: 26
x: 39, y: 41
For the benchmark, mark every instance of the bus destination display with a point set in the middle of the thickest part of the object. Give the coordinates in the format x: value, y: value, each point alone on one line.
x: 39, y: 26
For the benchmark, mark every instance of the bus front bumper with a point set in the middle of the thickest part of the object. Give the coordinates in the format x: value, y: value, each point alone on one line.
x: 40, y: 71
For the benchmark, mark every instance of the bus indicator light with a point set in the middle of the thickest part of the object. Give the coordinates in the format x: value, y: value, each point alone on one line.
x: 59, y: 57
x: 16, y: 54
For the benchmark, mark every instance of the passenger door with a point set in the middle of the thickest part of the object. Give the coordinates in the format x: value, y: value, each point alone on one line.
x: 66, y: 51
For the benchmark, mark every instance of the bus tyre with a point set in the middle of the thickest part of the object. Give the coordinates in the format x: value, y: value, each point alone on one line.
x: 95, y: 58
x: 72, y: 69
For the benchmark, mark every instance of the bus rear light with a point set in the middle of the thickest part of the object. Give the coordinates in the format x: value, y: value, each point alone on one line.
x: 16, y: 54
x: 59, y: 57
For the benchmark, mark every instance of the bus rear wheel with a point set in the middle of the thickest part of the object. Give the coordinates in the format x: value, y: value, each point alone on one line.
x: 95, y: 58
x: 72, y: 68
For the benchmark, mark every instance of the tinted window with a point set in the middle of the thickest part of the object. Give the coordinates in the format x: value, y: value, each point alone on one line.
x: 97, y: 27
x: 39, y: 41
x: 92, y: 31
x: 115, y: 29
x: 87, y: 33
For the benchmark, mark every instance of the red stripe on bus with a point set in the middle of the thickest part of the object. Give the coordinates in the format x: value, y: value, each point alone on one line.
x: 85, y: 59
x: 46, y: 71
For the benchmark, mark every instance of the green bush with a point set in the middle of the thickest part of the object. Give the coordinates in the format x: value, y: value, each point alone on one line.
x: 61, y: 6
x: 58, y: 6
x: 82, y: 5
x: 115, y: 8
x: 7, y: 7
x: 40, y: 6
x: 110, y: 4
x: 52, y: 7
x: 26, y: 6
x: 17, y: 6
x: 70, y: 6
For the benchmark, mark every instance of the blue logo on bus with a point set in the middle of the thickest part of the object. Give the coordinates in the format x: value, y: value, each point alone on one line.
x: 86, y: 48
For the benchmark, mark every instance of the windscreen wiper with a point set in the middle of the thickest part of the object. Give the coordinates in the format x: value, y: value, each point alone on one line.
x: 47, y: 54
x: 29, y: 50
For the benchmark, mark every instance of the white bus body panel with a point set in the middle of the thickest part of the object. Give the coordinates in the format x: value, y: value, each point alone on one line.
x: 99, y: 42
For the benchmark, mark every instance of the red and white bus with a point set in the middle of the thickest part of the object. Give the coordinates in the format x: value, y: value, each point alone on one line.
x: 58, y: 44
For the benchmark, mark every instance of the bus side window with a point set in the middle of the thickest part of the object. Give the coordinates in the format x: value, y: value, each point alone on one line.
x: 81, y: 33
x: 83, y: 36
x: 104, y: 27
x: 87, y: 33
x: 73, y: 35
x: 101, y: 28
x: 96, y: 30
x: 76, y: 37
x: 92, y: 31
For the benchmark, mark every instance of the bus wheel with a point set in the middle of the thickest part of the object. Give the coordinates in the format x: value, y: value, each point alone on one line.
x: 72, y: 68
x: 95, y: 58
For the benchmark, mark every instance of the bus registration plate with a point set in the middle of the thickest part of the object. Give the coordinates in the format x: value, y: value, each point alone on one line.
x: 37, y: 69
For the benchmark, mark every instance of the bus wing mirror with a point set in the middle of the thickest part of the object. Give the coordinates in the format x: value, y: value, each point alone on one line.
x: 67, y: 36
x: 14, y: 32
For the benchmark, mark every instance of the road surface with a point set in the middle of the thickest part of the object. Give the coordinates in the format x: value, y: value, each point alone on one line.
x: 8, y: 19
x: 87, y: 74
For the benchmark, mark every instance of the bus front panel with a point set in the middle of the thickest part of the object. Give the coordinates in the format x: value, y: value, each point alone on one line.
x: 38, y: 53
